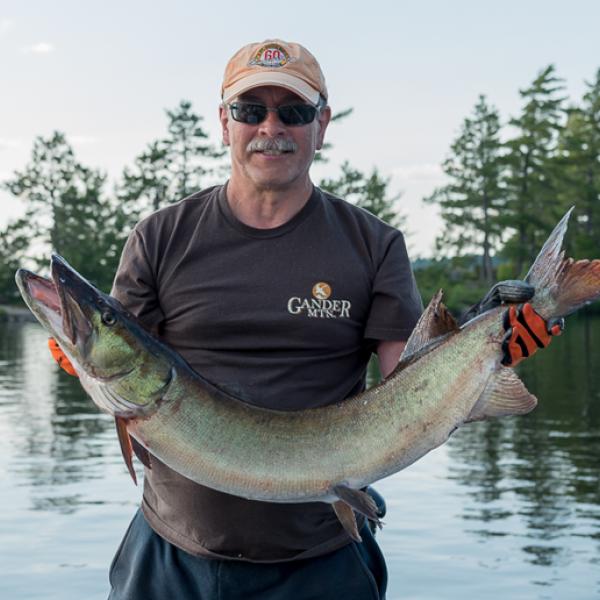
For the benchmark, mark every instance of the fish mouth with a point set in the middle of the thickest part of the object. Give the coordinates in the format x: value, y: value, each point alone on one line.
x: 41, y: 296
x: 73, y: 293
x: 57, y: 301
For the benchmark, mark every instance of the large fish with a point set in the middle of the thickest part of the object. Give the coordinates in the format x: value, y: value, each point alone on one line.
x: 447, y: 376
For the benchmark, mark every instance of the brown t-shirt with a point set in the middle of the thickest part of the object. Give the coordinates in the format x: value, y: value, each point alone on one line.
x: 283, y: 318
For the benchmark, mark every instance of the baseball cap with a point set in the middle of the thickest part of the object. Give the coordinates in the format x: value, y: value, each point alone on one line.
x: 274, y: 62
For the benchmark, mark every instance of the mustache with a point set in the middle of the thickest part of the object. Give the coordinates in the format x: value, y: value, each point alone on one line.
x: 272, y: 145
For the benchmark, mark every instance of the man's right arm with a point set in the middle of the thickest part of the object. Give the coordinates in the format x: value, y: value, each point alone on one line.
x: 135, y: 284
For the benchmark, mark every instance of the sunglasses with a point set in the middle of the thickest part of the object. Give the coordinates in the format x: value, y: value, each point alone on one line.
x: 289, y: 114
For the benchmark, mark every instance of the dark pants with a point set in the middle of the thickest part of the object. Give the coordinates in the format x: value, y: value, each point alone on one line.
x: 146, y: 567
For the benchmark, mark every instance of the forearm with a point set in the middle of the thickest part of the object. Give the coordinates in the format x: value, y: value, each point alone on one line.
x: 389, y: 352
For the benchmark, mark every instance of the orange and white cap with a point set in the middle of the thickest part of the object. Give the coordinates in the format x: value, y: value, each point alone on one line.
x: 274, y: 62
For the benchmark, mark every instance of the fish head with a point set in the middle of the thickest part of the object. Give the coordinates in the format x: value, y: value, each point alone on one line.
x: 101, y: 338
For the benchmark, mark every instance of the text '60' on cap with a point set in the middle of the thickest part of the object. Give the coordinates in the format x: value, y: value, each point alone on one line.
x: 274, y: 62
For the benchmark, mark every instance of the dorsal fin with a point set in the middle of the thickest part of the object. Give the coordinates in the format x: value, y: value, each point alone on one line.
x: 435, y: 321
x: 505, y: 394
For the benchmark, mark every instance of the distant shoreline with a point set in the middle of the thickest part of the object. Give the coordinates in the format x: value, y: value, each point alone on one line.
x: 15, y: 314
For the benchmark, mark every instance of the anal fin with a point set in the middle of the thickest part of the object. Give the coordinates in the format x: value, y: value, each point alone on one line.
x: 126, y: 448
x: 505, y: 394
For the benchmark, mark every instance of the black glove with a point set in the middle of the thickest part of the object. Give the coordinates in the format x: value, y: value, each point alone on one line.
x: 513, y: 291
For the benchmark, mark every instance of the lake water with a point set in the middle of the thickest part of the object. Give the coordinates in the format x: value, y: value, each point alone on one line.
x: 506, y: 509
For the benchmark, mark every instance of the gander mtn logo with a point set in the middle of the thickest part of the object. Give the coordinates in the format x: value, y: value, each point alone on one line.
x: 321, y: 305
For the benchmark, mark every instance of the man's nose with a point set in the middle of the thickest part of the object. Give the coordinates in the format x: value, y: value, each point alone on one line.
x: 272, y: 124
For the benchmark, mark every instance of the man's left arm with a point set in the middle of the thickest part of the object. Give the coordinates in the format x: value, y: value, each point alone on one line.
x: 396, y: 303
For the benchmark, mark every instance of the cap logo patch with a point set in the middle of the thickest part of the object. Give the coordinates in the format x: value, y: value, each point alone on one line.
x: 271, y: 55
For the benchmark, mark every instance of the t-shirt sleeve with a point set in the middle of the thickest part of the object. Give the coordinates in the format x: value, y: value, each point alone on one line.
x: 134, y: 285
x: 396, y: 303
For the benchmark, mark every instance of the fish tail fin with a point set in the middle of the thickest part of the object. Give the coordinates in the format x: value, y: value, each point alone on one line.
x: 562, y: 284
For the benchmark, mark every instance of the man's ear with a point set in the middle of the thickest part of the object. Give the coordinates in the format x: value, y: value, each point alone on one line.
x: 323, y: 120
x: 224, y: 118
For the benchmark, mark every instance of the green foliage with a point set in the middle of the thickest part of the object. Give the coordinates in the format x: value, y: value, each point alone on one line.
x: 472, y: 202
x: 14, y: 241
x: 66, y: 212
x: 145, y: 188
x: 367, y: 191
x: 578, y: 180
x: 532, y: 205
x: 187, y: 150
x: 550, y: 162
x: 171, y: 168
x: 458, y: 277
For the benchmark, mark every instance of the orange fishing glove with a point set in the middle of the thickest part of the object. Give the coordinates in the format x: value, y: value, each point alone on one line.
x: 60, y: 357
x: 526, y: 331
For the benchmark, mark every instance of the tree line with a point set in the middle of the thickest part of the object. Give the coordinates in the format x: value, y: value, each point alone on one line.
x: 507, y: 184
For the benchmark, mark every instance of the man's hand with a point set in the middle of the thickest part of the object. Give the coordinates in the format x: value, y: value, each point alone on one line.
x: 60, y: 357
x: 511, y: 291
x: 526, y: 331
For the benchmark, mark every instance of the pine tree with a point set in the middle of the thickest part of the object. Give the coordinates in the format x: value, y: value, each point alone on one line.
x: 472, y: 202
x: 171, y: 168
x: 145, y: 188
x: 367, y: 191
x: 532, y: 205
x: 66, y: 211
x: 191, y: 157
x: 14, y: 241
x: 579, y: 183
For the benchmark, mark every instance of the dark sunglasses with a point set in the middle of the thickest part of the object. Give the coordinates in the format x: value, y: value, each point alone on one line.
x: 289, y: 114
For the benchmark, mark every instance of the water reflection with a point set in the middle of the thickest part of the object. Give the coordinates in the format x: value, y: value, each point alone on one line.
x: 54, y: 432
x: 537, y: 477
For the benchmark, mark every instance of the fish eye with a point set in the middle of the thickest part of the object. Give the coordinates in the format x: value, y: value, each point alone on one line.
x: 108, y: 317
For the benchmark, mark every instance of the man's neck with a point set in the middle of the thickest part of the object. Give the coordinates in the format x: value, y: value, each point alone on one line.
x: 267, y: 208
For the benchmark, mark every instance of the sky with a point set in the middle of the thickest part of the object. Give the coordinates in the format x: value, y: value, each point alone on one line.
x: 104, y: 73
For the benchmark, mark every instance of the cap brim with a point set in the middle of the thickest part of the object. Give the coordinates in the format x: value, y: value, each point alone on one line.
x: 284, y: 80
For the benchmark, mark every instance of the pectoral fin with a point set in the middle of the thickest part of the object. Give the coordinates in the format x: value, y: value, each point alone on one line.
x: 126, y: 448
x: 505, y: 394
x: 346, y: 516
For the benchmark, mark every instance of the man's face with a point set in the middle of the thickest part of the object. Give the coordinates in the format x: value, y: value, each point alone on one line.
x: 272, y: 170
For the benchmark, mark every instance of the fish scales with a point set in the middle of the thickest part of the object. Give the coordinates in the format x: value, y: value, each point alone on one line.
x: 242, y: 447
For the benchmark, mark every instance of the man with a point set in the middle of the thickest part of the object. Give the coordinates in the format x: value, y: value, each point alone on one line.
x: 278, y: 293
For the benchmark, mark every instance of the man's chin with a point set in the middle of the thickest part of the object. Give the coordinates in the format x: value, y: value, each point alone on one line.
x: 276, y: 175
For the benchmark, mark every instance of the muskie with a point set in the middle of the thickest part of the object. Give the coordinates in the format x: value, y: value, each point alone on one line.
x: 447, y: 376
